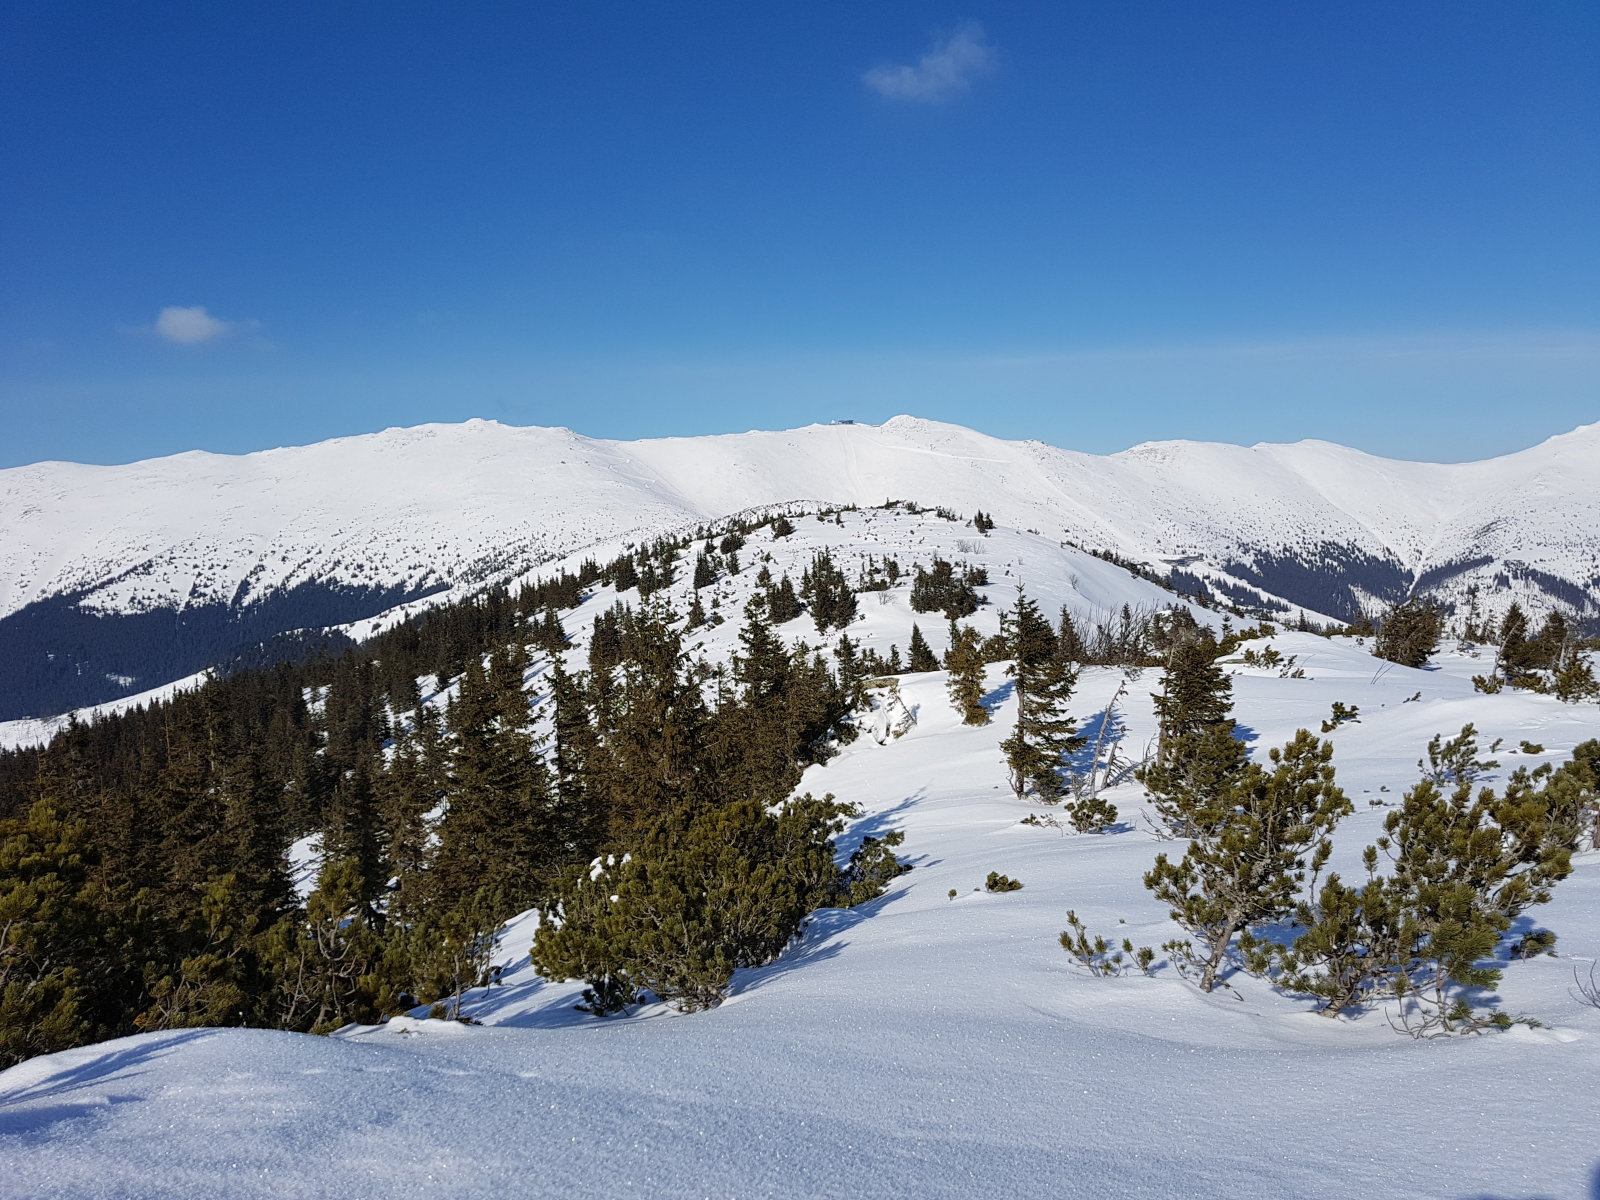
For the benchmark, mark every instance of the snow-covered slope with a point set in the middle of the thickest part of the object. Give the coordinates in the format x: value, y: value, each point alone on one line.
x: 349, y: 527
x: 920, y: 1046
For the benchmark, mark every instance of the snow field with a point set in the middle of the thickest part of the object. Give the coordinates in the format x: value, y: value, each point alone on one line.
x: 920, y: 1047
x: 458, y: 504
x: 917, y: 1046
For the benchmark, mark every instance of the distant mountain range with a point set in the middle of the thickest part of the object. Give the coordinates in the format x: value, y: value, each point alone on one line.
x: 117, y: 579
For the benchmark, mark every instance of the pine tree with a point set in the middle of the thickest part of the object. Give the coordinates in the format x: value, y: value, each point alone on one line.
x: 1044, y: 734
x: 218, y: 977
x: 1466, y: 864
x: 703, y: 892
x: 329, y: 966
x: 1349, y: 945
x: 446, y: 952
x: 1251, y: 849
x: 920, y: 657
x: 1575, y: 682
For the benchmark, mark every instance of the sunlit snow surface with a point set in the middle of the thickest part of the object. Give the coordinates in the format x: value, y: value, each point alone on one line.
x: 919, y: 1046
x: 453, y: 504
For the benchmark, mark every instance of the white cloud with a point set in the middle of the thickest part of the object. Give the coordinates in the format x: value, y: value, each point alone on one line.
x: 946, y: 70
x: 191, y: 326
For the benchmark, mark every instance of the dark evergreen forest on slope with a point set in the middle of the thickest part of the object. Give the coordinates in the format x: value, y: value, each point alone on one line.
x: 60, y: 656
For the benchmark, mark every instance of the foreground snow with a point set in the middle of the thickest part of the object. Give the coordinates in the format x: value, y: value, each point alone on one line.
x: 919, y: 1046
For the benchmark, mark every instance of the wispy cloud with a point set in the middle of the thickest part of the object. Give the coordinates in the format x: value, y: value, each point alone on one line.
x: 945, y: 71
x: 192, y: 326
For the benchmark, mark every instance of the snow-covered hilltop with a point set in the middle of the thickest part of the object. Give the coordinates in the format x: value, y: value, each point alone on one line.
x: 937, y: 1041
x: 231, y: 550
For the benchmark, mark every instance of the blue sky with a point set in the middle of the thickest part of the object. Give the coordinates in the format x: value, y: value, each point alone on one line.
x: 232, y: 226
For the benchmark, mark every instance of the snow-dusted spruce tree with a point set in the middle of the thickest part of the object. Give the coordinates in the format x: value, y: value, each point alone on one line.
x: 1255, y: 841
x: 964, y: 663
x: 1044, y: 682
x: 1197, y: 755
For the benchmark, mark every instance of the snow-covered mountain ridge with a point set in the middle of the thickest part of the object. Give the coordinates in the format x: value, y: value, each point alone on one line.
x: 343, y: 529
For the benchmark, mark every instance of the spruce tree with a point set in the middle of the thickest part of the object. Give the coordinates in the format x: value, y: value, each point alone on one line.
x: 1556, y: 644
x: 1069, y: 646
x: 920, y: 657
x: 1197, y: 755
x: 964, y: 662
x: 579, y: 817
x: 827, y: 591
x: 705, y: 571
x: 758, y: 730
x: 653, y: 725
x: 1044, y: 733
x: 1518, y: 655
x: 783, y: 603
x: 497, y: 832
x: 1409, y: 633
